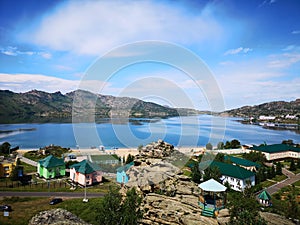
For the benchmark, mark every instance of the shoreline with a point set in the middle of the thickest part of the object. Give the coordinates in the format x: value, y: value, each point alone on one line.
x: 121, y: 152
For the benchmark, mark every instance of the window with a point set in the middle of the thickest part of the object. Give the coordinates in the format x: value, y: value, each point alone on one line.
x: 6, y: 168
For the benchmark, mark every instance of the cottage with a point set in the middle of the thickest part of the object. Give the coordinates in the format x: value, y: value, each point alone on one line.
x: 237, y: 177
x: 51, y: 167
x: 122, y: 177
x: 278, y: 151
x: 85, y: 173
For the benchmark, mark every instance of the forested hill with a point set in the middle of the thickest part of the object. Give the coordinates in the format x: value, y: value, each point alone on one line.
x: 276, y: 108
x: 39, y: 106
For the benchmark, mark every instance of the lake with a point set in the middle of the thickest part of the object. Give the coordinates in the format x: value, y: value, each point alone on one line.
x: 179, y: 131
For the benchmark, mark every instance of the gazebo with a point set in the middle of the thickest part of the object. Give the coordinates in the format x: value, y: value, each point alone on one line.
x: 265, y: 198
x: 212, y: 197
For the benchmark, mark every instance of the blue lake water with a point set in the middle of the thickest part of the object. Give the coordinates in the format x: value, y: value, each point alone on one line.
x: 179, y: 131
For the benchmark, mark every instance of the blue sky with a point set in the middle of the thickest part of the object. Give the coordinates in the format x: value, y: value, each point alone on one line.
x: 251, y: 47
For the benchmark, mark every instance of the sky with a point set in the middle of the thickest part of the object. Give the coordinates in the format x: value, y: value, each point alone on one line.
x: 251, y: 48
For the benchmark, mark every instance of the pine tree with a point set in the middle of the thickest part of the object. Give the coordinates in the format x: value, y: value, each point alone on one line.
x: 109, y: 212
x: 293, y: 166
x: 131, y: 212
x: 278, y: 168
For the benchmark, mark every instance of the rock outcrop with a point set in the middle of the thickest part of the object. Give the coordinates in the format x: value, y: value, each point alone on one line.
x: 56, y: 217
x: 159, y: 149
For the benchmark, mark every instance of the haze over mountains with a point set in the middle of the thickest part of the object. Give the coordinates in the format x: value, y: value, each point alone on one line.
x: 39, y: 106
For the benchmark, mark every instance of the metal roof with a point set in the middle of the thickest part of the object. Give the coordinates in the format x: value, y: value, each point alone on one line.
x: 51, y: 161
x: 212, y: 185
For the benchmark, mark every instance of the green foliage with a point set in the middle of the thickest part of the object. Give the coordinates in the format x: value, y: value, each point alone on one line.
x: 70, y: 163
x: 278, y: 168
x: 220, y: 157
x: 212, y: 172
x: 129, y: 159
x: 209, y: 146
x: 254, y: 156
x: 196, y: 175
x: 243, y: 209
x: 113, y: 211
x: 293, y: 166
x: 5, y: 148
x: 220, y: 145
x: 109, y: 212
x: 131, y: 212
x: 232, y: 144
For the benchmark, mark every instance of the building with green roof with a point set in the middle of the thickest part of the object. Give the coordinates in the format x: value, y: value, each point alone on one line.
x: 247, y: 164
x: 237, y: 177
x: 264, y: 198
x: 278, y: 151
x: 85, y: 173
x: 51, y: 167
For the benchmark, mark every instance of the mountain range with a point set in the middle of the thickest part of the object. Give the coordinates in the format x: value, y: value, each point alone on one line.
x: 39, y: 106
x: 275, y: 108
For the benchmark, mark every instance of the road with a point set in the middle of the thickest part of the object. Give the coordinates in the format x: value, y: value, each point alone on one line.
x: 50, y: 194
x: 292, y: 178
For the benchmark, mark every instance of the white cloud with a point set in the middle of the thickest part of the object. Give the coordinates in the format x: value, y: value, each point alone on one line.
x: 94, y: 27
x: 27, y: 82
x: 13, y: 51
x: 237, y: 51
x: 251, y: 82
x: 283, y: 60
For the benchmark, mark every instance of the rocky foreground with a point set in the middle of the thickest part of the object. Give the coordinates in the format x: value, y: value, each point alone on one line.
x: 169, y: 197
x: 56, y: 217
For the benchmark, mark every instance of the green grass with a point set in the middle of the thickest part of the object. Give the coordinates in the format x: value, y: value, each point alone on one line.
x: 297, y: 183
x: 25, y: 208
x: 267, y: 183
x: 279, y: 178
x: 28, y: 168
x: 56, y: 186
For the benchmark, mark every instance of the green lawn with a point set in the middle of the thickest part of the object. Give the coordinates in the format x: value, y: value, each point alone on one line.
x: 297, y: 183
x: 267, y: 183
x: 56, y: 186
x: 28, y: 168
x: 279, y: 178
x: 25, y: 208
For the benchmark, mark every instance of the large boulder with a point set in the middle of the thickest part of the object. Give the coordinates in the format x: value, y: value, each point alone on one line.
x: 56, y: 217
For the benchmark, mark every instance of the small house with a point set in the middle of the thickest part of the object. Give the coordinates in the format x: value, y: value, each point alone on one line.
x: 85, y: 173
x: 264, y: 198
x: 122, y: 177
x: 51, y: 167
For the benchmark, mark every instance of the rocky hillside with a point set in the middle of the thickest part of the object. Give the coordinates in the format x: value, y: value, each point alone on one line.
x: 276, y: 108
x: 39, y: 106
